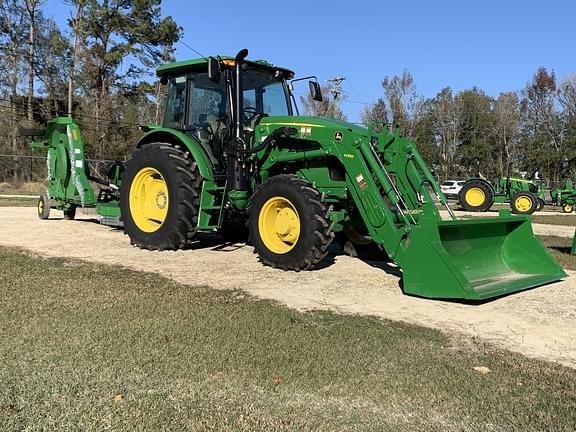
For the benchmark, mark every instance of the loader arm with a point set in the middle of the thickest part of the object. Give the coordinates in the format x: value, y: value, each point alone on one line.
x: 392, y: 188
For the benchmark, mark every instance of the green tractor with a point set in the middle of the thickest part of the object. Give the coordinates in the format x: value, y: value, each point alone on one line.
x: 233, y: 156
x: 524, y: 196
x: 564, y: 197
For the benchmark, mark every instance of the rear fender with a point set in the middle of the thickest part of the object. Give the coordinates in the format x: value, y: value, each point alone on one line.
x: 487, y: 183
x: 175, y: 137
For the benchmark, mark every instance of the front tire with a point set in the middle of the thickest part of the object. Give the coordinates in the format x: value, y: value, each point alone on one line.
x: 289, y: 224
x: 159, y: 197
x: 476, y: 196
x: 540, y: 205
x: 43, y: 207
x: 567, y: 208
x: 524, y: 202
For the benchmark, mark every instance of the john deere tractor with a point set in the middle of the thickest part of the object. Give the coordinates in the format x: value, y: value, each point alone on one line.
x: 564, y: 197
x: 234, y: 156
x: 524, y: 196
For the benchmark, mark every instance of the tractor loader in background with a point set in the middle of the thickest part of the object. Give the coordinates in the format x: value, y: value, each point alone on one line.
x: 233, y: 152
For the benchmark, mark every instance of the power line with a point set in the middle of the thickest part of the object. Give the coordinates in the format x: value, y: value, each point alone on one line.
x: 188, y: 46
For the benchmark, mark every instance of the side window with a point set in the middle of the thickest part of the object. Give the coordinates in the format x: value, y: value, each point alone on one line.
x: 174, y: 114
x: 207, y: 101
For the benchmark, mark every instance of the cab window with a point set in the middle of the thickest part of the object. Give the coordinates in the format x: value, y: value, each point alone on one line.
x: 264, y: 93
x: 207, y: 101
x: 174, y: 114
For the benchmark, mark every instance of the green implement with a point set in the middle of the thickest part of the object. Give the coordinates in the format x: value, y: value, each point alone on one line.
x: 69, y: 182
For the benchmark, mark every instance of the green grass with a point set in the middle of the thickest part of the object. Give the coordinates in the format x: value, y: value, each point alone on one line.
x: 560, y: 247
x: 87, y: 347
x: 18, y: 202
x: 554, y: 219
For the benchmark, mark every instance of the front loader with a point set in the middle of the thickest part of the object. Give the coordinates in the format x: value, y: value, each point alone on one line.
x: 233, y: 153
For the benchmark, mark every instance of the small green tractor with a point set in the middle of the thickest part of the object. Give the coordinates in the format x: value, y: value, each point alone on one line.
x: 233, y: 156
x: 564, y: 197
x: 524, y: 196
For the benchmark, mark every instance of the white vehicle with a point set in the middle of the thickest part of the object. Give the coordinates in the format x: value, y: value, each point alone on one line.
x: 451, y: 188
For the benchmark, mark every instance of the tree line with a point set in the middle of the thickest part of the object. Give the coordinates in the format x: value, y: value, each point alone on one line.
x: 469, y: 133
x: 100, y: 69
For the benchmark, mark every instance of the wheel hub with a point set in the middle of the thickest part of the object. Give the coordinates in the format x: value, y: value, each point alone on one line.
x: 279, y: 225
x: 475, y: 197
x: 149, y: 199
x: 523, y: 203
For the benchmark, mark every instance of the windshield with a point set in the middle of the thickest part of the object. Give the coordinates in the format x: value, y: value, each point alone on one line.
x: 264, y: 93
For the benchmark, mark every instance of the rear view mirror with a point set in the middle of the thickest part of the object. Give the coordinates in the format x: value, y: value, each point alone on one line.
x: 213, y: 69
x: 315, y: 91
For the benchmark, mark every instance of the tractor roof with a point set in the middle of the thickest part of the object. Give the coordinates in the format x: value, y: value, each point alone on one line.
x: 201, y: 64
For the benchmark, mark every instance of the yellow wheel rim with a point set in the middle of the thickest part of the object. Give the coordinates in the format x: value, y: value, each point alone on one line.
x: 475, y: 197
x: 148, y: 200
x: 279, y: 225
x: 40, y: 206
x: 523, y: 203
x: 567, y: 208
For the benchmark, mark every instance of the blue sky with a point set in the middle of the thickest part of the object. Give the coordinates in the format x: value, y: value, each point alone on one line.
x: 494, y: 45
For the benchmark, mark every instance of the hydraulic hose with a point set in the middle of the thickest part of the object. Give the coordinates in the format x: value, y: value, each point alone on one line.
x: 283, y: 131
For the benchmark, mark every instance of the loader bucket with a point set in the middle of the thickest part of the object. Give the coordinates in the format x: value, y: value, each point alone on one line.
x: 475, y: 259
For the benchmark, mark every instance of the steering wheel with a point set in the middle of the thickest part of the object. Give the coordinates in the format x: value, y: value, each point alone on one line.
x: 253, y: 113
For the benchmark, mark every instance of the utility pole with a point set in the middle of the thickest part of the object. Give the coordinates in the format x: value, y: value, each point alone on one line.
x: 336, y: 92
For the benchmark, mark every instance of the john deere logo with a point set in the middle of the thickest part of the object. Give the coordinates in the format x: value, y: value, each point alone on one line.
x: 338, y: 136
x: 161, y: 200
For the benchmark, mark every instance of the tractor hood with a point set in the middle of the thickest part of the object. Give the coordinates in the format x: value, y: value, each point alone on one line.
x: 322, y: 124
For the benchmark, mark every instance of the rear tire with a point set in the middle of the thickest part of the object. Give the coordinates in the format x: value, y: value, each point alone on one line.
x: 70, y: 213
x: 356, y: 243
x: 159, y: 197
x: 43, y: 207
x: 476, y: 196
x: 524, y: 202
x: 289, y: 224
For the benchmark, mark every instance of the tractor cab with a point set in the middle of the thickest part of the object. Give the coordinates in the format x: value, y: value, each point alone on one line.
x: 201, y: 102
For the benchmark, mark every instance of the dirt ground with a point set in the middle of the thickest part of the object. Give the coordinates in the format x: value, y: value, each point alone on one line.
x: 540, y: 323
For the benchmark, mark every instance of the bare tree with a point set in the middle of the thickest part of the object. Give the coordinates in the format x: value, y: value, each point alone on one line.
x: 329, y: 107
x: 402, y: 98
x: 445, y: 114
x: 567, y: 95
x: 506, y: 117
x: 376, y: 113
x: 538, y: 107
